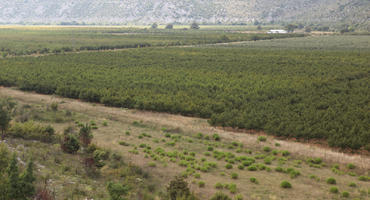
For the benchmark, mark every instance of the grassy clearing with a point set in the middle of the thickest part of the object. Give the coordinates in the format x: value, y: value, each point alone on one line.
x: 164, y: 150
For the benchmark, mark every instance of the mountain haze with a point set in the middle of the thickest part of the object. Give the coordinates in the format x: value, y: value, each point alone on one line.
x: 184, y: 11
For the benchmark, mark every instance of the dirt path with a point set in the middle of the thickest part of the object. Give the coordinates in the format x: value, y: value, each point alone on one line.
x: 186, y: 124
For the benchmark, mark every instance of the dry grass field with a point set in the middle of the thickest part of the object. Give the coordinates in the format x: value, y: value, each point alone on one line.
x: 147, y: 139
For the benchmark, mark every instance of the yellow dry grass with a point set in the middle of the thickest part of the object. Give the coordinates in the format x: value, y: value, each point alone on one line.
x: 120, y: 120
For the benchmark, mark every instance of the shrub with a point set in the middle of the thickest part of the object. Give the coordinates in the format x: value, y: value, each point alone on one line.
x: 32, y: 131
x: 210, y: 148
x: 127, y: 133
x: 239, y: 197
x: 253, y: 180
x: 247, y: 162
x: 279, y: 169
x: 261, y: 138
x: 234, y: 176
x: 178, y: 188
x: 241, y: 167
x: 219, y: 186
x: 266, y: 149
x: 285, y: 153
x: 197, y: 175
x: 152, y: 164
x: 252, y: 168
x: 199, y: 135
x: 345, y: 194
x: 220, y: 196
x: 201, y: 184
x: 351, y: 166
x: 331, y: 181
x: 277, y: 144
x: 105, y: 123
x: 117, y: 191
x: 216, y: 137
x: 54, y: 106
x: 268, y: 160
x: 285, y: 184
x: 334, y: 190
x: 352, y: 184
x: 232, y: 188
x: 123, y: 143
x: 70, y: 144
x: 364, y: 178
x: 228, y: 166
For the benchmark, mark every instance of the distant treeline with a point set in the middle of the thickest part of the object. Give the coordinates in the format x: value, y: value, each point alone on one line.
x: 304, y: 94
x: 29, y: 42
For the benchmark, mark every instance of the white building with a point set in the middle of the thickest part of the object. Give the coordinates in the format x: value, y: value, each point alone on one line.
x: 277, y: 31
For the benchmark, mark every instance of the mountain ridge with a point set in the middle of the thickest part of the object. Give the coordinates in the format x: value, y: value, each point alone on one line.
x: 186, y: 11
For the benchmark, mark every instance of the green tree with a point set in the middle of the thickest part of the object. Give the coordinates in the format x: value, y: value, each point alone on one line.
x: 290, y: 27
x: 4, y: 120
x: 4, y: 158
x: 178, y: 188
x: 117, y: 191
x: 85, y: 135
x: 27, y: 179
x: 169, y: 26
x: 70, y: 144
x: 14, y: 185
x: 194, y: 25
x: 154, y: 26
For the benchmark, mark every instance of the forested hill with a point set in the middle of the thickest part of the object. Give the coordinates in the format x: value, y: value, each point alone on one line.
x: 184, y: 11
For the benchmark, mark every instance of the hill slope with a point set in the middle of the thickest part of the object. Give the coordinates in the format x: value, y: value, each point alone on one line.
x: 166, y: 11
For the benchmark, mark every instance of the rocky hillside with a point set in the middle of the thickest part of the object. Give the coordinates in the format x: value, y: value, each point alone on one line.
x: 184, y: 11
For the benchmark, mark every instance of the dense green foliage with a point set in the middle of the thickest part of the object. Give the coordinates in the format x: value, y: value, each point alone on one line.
x: 291, y: 93
x: 26, y: 41
x: 13, y: 184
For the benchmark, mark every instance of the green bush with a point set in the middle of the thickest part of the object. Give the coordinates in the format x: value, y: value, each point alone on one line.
x: 352, y: 184
x: 364, y: 178
x: 228, y: 166
x: 252, y: 168
x: 31, y: 130
x: 232, y: 188
x: 216, y: 137
x: 123, y: 143
x: 201, y: 184
x: 178, y: 188
x: 239, y: 197
x: 117, y: 191
x: 331, y: 180
x: 152, y: 164
x: 253, y: 180
x: 261, y: 138
x: 70, y: 144
x: 220, y: 196
x: 345, y: 194
x: 267, y: 149
x: 285, y: 153
x: 196, y: 175
x: 285, y: 184
x: 234, y: 176
x: 334, y: 190
x: 241, y: 167
x: 219, y: 186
